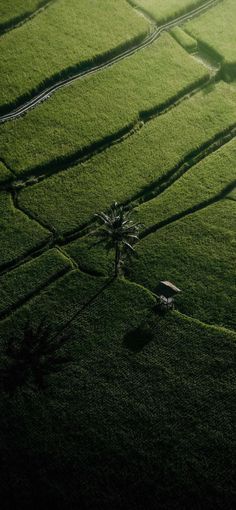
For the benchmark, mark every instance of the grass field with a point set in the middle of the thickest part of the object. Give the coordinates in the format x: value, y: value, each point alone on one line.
x: 188, y: 42
x: 108, y: 400
x: 18, y: 234
x: 68, y: 34
x: 201, y: 251
x: 12, y: 11
x: 25, y: 281
x: 199, y: 257
x: 100, y: 106
x: 153, y: 376
x: 215, y: 30
x: 131, y: 168
x: 162, y: 10
x: 5, y: 174
x: 200, y: 186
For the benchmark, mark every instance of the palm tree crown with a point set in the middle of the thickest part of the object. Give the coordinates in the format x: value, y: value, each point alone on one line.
x: 118, y: 231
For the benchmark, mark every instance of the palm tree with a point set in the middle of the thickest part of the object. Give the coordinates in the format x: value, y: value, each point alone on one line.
x: 118, y: 232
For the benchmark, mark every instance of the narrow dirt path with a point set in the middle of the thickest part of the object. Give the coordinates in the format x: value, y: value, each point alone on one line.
x: 42, y: 96
x: 23, y: 18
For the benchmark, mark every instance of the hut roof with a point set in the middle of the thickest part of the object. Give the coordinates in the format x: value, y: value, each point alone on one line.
x: 167, y: 288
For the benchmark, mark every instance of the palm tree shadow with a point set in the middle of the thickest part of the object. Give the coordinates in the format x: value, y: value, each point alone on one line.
x: 28, y: 362
x: 87, y: 304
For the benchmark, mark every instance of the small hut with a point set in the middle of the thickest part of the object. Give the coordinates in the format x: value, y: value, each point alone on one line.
x: 166, y: 292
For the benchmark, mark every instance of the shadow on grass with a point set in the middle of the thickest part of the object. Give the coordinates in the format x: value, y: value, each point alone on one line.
x: 137, y: 339
x: 29, y: 361
x: 86, y: 305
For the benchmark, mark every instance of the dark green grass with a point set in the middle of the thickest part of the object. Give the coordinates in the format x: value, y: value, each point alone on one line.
x: 142, y: 417
x: 67, y: 34
x: 188, y: 42
x: 11, y: 10
x: 164, y: 10
x: 18, y: 285
x: 196, y: 253
x: 100, y: 106
x: 216, y: 31
x: 5, y: 174
x: 18, y: 234
x: 199, y: 184
x: 69, y: 200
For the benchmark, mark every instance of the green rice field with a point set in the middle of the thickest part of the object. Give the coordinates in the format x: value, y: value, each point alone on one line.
x: 54, y: 42
x: 111, y: 395
x: 105, y: 105
x: 219, y: 38
x: 14, y: 11
x: 163, y: 10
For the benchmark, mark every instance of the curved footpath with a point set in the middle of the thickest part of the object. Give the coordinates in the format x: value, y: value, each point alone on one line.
x: 21, y: 19
x: 42, y: 96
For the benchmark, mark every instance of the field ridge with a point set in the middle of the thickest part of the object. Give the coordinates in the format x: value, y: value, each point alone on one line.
x: 187, y: 212
x: 20, y: 20
x: 82, y: 231
x: 112, y: 58
x: 43, y: 171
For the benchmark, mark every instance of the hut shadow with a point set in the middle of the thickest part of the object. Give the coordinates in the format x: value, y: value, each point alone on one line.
x: 136, y: 339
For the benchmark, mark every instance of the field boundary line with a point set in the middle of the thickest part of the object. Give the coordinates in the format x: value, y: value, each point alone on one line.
x: 58, y: 165
x: 206, y: 325
x: 53, y: 241
x: 188, y: 212
x: 147, y: 41
x: 31, y: 216
x: 107, y: 280
x: 190, y: 161
x: 81, y: 232
x: 5, y: 313
x: 20, y: 20
x: 152, y: 18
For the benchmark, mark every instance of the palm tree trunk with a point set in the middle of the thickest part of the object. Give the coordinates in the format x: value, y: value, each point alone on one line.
x: 117, y: 259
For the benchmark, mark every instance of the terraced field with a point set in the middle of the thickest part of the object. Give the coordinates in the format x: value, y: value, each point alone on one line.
x: 216, y: 33
x: 162, y: 10
x: 107, y: 401
x: 14, y: 12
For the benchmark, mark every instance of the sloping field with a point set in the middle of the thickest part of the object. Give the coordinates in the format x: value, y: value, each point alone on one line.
x: 215, y: 30
x: 162, y: 10
x: 22, y: 283
x: 206, y: 181
x: 18, y: 234
x: 199, y: 187
x: 67, y: 34
x: 198, y: 254
x: 13, y: 11
x: 184, y: 39
x: 69, y: 199
x: 118, y: 404
x: 175, y: 379
x: 100, y: 106
x: 5, y: 174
